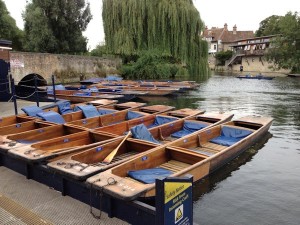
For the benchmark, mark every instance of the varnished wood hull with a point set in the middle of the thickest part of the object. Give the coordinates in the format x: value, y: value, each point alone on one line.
x: 181, y: 158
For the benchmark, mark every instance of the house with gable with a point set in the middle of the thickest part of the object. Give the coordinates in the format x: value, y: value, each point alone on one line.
x: 222, y: 39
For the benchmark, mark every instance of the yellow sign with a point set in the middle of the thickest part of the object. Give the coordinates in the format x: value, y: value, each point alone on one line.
x: 174, y: 189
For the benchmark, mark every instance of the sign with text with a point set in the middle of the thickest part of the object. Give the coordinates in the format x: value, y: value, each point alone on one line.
x: 174, y: 203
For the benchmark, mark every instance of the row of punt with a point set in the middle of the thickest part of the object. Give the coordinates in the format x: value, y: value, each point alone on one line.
x: 156, y: 141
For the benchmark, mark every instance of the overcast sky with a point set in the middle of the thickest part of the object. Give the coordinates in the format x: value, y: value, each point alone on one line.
x: 245, y: 14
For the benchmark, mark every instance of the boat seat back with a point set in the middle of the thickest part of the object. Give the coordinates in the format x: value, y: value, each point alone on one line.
x: 64, y: 107
x: 142, y: 133
x: 87, y: 110
x: 159, y: 120
x: 32, y: 110
x: 51, y: 116
x: 133, y: 115
x: 230, y: 135
x: 106, y: 111
x: 188, y: 128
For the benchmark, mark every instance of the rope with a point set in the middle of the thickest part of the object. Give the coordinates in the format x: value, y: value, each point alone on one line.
x: 10, y: 99
x: 26, y: 96
x: 6, y: 90
x: 5, y: 83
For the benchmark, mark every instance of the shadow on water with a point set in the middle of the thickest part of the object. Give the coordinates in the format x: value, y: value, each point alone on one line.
x: 209, y: 183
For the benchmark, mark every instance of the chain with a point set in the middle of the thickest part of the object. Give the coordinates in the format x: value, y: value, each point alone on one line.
x: 110, y: 181
x: 26, y: 96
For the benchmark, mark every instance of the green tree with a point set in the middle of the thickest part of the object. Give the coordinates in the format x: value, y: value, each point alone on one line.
x: 99, y: 51
x: 285, y: 48
x: 171, y: 26
x: 9, y: 29
x: 269, y: 26
x: 223, y: 56
x: 56, y: 26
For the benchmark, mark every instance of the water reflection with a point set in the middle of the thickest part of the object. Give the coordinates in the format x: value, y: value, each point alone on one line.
x: 209, y: 183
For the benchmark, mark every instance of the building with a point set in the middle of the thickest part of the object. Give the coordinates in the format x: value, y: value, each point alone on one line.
x: 248, y: 55
x: 5, y: 47
x: 221, y: 39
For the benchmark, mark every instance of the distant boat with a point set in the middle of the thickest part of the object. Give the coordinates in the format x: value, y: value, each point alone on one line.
x: 258, y: 76
x: 294, y: 75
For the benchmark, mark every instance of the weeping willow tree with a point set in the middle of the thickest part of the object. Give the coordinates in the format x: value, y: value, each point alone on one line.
x: 172, y: 26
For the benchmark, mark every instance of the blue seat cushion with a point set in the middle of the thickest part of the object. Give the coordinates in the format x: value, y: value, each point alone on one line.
x: 159, y: 120
x: 148, y: 176
x: 106, y: 111
x: 133, y: 115
x: 82, y: 94
x: 32, y: 110
x: 64, y: 107
x: 230, y: 136
x: 188, y: 128
x: 87, y: 110
x: 141, y: 132
x: 51, y: 116
x: 23, y: 141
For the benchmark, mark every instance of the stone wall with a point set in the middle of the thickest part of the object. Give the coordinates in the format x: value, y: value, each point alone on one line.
x: 65, y: 67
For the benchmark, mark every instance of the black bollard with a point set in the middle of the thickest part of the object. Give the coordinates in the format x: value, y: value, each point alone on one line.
x: 53, y: 85
x: 36, y: 91
x: 13, y: 89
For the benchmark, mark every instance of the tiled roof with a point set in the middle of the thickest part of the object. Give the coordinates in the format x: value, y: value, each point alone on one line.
x: 227, y: 36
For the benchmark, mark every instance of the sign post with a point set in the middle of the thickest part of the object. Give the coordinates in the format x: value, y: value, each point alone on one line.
x: 174, y: 201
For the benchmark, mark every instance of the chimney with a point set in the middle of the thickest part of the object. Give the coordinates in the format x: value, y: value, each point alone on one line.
x: 234, y: 29
x: 225, y: 26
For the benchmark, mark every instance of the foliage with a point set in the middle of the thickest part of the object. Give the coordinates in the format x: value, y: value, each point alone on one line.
x: 9, y: 29
x: 99, y: 51
x: 56, y: 26
x: 285, y: 48
x: 269, y: 26
x: 173, y: 27
x: 223, y: 56
x: 151, y: 65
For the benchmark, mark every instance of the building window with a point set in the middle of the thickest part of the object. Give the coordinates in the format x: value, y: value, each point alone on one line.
x: 215, y: 47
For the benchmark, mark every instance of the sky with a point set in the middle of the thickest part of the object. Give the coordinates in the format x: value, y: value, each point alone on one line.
x: 246, y: 15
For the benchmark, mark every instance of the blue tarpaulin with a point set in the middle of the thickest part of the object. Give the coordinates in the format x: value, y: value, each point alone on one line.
x: 106, y: 111
x: 148, y: 176
x: 230, y: 135
x: 82, y: 94
x: 32, y: 110
x: 188, y: 128
x: 133, y: 115
x: 87, y: 110
x: 141, y: 132
x: 51, y: 116
x: 64, y: 107
x: 159, y: 120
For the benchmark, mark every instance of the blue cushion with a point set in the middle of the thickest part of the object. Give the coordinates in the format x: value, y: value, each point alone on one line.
x: 87, y: 110
x: 148, y: 176
x: 133, y: 115
x: 51, y: 116
x: 26, y: 141
x: 230, y: 136
x: 64, y: 107
x: 106, y: 111
x: 82, y: 94
x: 159, y: 120
x: 141, y: 132
x: 32, y: 110
x: 188, y: 128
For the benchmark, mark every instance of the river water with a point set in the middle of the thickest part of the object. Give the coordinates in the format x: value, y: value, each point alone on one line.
x: 261, y: 186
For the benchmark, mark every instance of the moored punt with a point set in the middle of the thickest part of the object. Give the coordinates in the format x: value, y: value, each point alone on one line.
x: 41, y: 133
x: 112, y: 117
x: 77, y: 96
x: 258, y: 77
x: 167, y: 133
x: 89, y: 162
x: 197, y: 154
x: 60, y: 145
x: 13, y: 120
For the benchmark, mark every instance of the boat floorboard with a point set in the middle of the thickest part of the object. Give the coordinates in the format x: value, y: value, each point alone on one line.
x: 213, y: 146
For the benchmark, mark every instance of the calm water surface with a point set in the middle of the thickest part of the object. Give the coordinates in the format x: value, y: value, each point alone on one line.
x: 261, y: 186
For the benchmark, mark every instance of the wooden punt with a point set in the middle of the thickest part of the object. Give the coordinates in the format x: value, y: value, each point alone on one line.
x: 86, y: 163
x: 59, y: 144
x: 73, y: 97
x: 107, y: 119
x: 41, y: 132
x: 167, y: 133
x: 188, y: 155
